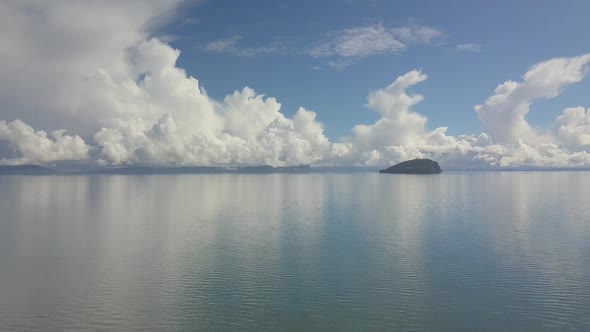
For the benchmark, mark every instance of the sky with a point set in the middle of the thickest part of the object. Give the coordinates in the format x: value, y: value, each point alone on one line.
x: 350, y: 82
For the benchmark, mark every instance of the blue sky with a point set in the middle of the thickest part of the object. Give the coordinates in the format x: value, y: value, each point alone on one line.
x: 472, y: 84
x: 511, y: 36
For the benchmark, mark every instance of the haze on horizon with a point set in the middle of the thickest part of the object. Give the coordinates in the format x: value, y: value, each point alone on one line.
x: 102, y: 81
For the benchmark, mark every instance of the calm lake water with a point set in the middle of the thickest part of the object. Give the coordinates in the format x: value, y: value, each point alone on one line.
x: 458, y: 251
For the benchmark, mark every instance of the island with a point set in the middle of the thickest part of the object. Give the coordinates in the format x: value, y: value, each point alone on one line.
x: 414, y: 166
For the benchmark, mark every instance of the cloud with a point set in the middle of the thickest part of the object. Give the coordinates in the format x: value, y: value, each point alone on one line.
x: 345, y: 46
x: 418, y: 34
x: 358, y: 42
x: 369, y: 40
x: 398, y: 125
x: 223, y: 45
x: 281, y: 141
x: 338, y: 64
x: 402, y: 133
x: 125, y: 94
x: 573, y: 128
x: 188, y: 127
x: 31, y: 147
x: 471, y: 47
x: 503, y: 114
x: 231, y: 45
x: 342, y: 47
x: 56, y: 54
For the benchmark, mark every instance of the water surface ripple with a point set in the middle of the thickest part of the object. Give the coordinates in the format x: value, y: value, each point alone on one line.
x: 315, y: 252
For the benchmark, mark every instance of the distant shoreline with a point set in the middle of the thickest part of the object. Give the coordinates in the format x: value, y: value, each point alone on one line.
x: 265, y: 169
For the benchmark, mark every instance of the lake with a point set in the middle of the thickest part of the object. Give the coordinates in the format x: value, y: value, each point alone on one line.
x: 302, y: 252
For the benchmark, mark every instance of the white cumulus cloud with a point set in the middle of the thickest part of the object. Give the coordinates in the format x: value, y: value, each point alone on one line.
x: 573, y: 128
x: 32, y: 147
x: 503, y: 114
x: 398, y: 125
x: 402, y: 133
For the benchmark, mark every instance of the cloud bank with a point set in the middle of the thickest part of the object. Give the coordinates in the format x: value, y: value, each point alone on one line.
x: 38, y: 147
x: 92, y: 76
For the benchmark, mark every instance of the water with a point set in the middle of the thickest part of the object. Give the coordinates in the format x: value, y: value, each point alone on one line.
x: 459, y: 251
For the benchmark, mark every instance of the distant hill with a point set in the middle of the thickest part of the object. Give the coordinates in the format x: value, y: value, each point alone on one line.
x: 415, y: 166
x: 138, y: 170
x: 264, y: 169
x: 345, y: 169
x: 26, y: 170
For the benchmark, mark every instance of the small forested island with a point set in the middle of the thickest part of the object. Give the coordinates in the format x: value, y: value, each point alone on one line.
x: 414, y: 166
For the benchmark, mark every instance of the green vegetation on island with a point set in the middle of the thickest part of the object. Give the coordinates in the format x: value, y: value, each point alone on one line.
x: 414, y: 166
